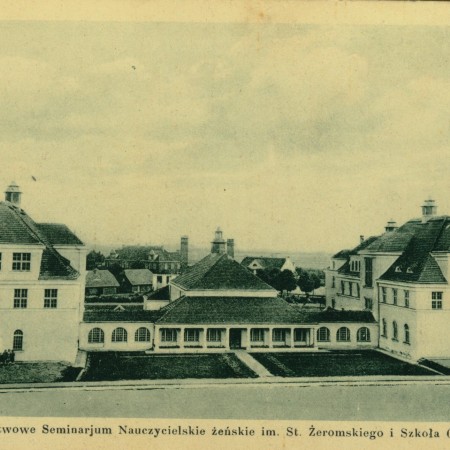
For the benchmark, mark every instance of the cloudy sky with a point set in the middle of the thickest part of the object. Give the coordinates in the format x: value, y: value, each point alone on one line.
x: 291, y: 136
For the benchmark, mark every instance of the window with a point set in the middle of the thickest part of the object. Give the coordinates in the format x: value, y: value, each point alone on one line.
x: 406, y: 328
x: 159, y: 279
x: 368, y: 264
x: 368, y: 303
x: 300, y: 335
x: 213, y: 335
x: 343, y: 334
x: 21, y: 262
x: 109, y: 290
x: 278, y: 335
x: 406, y: 297
x: 394, y: 296
x: 323, y: 334
x: 142, y: 335
x: 120, y: 335
x: 96, y: 336
x: 0, y: 261
x: 18, y: 340
x: 333, y: 282
x: 383, y: 295
x: 168, y: 335
x: 394, y: 331
x: 357, y: 289
x: 167, y: 279
x: 191, y: 335
x: 355, y: 266
x: 363, y: 335
x: 342, y: 287
x: 20, y: 298
x: 383, y: 328
x: 257, y: 335
x: 436, y: 300
x: 351, y: 288
x: 50, y: 298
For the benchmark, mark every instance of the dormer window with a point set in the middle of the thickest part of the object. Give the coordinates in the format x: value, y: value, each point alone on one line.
x: 21, y: 262
x: 398, y: 269
x: 355, y: 266
x: 409, y: 270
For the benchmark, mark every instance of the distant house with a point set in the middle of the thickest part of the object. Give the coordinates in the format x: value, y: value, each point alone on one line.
x: 101, y: 282
x: 255, y: 263
x: 163, y: 264
x: 136, y: 280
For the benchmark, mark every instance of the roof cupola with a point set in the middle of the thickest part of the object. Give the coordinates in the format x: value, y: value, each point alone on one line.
x: 13, y: 194
x: 429, y: 209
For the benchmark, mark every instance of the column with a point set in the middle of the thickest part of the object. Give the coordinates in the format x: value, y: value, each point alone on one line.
x: 202, y: 338
x: 226, y: 337
x: 245, y: 338
x: 181, y: 338
x: 292, y: 337
x: 270, y: 341
x: 156, y: 337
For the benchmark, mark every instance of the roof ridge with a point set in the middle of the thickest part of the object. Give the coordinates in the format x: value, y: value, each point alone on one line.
x: 213, y: 265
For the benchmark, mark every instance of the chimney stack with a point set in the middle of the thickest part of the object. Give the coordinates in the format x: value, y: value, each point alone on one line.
x: 184, y: 252
x: 361, y: 238
x: 230, y: 247
x: 13, y: 194
x: 391, y: 226
x: 429, y: 209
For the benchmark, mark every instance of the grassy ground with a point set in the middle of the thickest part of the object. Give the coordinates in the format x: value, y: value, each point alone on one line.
x: 37, y: 372
x: 327, y: 364
x: 117, y: 366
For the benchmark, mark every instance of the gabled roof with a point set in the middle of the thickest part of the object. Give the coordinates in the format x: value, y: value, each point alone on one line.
x: 59, y: 234
x: 219, y: 272
x: 111, y: 313
x: 250, y: 310
x: 100, y: 278
x: 16, y: 227
x: 266, y: 263
x: 160, y: 294
x: 417, y: 263
x: 138, y: 277
x: 142, y: 253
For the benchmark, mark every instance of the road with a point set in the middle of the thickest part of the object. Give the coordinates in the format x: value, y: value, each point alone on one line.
x: 412, y: 402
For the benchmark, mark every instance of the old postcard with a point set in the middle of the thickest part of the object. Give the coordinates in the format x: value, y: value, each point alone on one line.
x: 224, y: 224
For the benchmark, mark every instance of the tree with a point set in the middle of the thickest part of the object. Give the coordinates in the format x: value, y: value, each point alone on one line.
x: 285, y: 281
x: 137, y: 265
x: 305, y: 283
x: 94, y: 260
x: 315, y: 280
x: 116, y: 269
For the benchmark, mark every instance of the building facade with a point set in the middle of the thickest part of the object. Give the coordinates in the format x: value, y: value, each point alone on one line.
x: 42, y: 282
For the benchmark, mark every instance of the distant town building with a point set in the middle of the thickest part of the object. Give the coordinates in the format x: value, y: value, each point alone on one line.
x: 255, y: 263
x: 42, y: 282
x: 101, y: 282
x: 402, y: 277
x: 136, y: 280
x: 163, y: 264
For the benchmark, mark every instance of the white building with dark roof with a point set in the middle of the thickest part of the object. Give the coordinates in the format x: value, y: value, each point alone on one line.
x: 402, y: 277
x: 42, y: 279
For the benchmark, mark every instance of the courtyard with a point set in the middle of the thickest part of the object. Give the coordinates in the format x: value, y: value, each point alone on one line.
x: 336, y: 363
x: 112, y: 366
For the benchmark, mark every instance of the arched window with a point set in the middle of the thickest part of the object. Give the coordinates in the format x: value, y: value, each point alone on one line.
x: 406, y: 333
x: 394, y: 331
x: 363, y: 335
x: 18, y: 340
x: 96, y: 336
x: 323, y: 334
x: 120, y: 335
x: 142, y: 335
x: 384, y: 328
x: 343, y: 334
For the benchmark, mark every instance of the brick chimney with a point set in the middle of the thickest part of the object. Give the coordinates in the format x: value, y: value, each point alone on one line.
x: 230, y: 247
x: 429, y: 209
x: 184, y: 252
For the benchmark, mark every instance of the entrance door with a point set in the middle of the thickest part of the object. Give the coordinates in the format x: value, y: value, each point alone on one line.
x: 235, y: 338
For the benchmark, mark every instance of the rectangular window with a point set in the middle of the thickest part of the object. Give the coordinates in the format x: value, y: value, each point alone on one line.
x: 394, y: 296
x: 406, y: 296
x: 279, y: 335
x: 191, y: 335
x: 300, y: 335
x: 351, y: 288
x: 368, y: 264
x: 50, y: 298
x: 168, y: 335
x: 383, y: 295
x: 21, y: 262
x: 368, y: 303
x: 20, y: 298
x: 342, y: 287
x: 213, y: 335
x: 333, y: 282
x: 159, y: 279
x: 436, y: 300
x: 257, y: 335
x: 0, y: 261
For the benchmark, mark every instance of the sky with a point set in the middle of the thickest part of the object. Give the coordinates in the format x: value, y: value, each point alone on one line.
x: 287, y: 136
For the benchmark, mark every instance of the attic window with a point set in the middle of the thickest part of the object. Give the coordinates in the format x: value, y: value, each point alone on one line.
x: 409, y: 270
x: 398, y: 269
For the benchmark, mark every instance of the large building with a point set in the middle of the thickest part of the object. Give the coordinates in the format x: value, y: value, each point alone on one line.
x: 42, y: 282
x: 218, y: 305
x: 401, y: 277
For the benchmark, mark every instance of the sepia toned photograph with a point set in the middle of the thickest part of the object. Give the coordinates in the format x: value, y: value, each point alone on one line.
x: 224, y: 219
